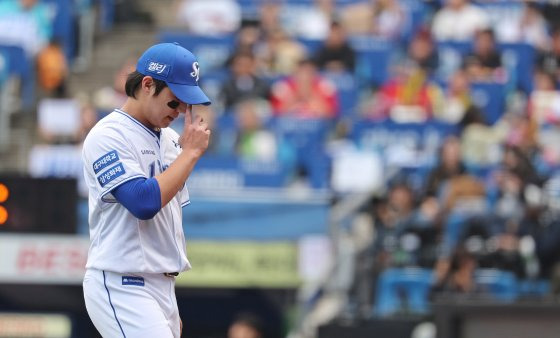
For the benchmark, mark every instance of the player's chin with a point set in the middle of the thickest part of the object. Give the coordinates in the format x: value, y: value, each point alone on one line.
x: 166, y: 122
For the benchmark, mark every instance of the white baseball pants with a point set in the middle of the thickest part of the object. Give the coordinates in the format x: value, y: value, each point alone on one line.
x: 132, y: 305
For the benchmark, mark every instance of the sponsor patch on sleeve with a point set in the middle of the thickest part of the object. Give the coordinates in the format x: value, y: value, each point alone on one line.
x: 110, y: 174
x: 132, y: 280
x: 105, y: 161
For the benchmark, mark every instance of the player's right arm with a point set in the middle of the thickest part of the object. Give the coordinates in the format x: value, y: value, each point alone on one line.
x: 194, y: 142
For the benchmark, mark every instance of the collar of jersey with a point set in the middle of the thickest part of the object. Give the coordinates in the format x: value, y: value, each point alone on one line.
x: 155, y: 134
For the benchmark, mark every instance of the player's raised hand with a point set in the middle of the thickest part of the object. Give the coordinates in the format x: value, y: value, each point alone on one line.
x: 196, y: 134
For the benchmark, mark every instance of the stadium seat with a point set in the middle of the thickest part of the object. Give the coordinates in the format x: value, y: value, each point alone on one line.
x: 501, y: 285
x: 212, y: 52
x: 403, y: 290
x: 22, y: 68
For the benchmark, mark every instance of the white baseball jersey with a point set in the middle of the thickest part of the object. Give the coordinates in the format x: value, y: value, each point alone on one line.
x: 119, y: 149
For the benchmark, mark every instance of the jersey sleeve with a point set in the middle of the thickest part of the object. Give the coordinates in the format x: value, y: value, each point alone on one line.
x: 109, y: 161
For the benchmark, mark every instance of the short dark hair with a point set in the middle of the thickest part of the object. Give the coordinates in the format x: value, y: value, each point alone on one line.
x: 134, y: 81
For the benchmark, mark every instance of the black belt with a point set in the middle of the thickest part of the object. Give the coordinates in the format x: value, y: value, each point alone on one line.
x: 171, y: 274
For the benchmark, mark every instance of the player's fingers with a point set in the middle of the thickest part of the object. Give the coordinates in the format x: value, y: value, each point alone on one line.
x: 188, y: 115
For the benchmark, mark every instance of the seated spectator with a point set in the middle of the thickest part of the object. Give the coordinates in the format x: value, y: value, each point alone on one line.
x: 456, y: 99
x: 108, y: 98
x: 459, y: 20
x: 308, y: 20
x: 391, y: 218
x: 269, y: 17
x: 305, y: 94
x: 544, y: 100
x: 279, y: 54
x: 408, y: 97
x: 243, y: 82
x: 253, y: 141
x: 484, y: 63
x: 531, y: 28
x: 247, y: 39
x: 25, y: 23
x: 214, y: 17
x: 336, y: 54
x: 52, y: 70
x: 455, y: 276
x: 449, y: 165
x: 544, y: 113
x: 480, y: 143
x: 423, y: 52
x: 380, y: 18
x: 246, y: 325
x: 549, y: 61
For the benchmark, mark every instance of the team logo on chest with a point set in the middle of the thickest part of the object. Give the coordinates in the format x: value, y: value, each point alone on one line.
x: 196, y: 71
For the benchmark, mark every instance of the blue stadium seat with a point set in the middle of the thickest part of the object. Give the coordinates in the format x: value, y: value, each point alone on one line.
x: 518, y: 59
x: 347, y: 90
x: 373, y: 60
x: 307, y: 137
x: 403, y: 290
x: 534, y: 288
x: 21, y: 67
x: 491, y: 98
x: 211, y: 52
x: 63, y: 25
x: 500, y: 285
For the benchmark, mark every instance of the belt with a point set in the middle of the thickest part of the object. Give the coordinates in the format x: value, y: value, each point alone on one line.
x: 171, y: 274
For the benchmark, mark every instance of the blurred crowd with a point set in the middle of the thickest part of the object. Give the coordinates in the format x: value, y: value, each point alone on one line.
x: 487, y: 198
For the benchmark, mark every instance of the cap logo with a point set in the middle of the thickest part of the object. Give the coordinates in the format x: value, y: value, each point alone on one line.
x: 158, y: 68
x: 196, y: 71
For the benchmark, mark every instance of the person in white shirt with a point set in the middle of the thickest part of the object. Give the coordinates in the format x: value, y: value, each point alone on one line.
x: 459, y: 20
x: 135, y: 168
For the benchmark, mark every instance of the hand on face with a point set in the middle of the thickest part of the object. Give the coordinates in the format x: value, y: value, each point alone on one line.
x: 196, y: 134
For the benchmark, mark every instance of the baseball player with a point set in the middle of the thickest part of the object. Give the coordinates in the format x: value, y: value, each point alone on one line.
x: 135, y: 168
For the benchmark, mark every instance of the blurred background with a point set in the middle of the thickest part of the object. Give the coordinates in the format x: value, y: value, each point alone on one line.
x: 385, y: 168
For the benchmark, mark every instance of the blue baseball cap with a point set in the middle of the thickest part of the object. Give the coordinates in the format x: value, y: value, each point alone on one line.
x: 176, y: 66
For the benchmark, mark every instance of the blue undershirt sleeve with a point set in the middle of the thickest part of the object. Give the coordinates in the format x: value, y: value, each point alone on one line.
x: 140, y: 196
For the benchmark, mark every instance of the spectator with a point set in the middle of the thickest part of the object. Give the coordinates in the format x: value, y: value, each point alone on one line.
x: 279, y: 54
x: 247, y: 39
x: 391, y: 218
x: 544, y: 100
x: 456, y: 99
x: 246, y: 326
x: 108, y: 98
x: 52, y: 70
x: 423, y: 53
x: 407, y: 97
x: 455, y: 276
x: 308, y: 21
x: 531, y: 28
x: 380, y: 18
x: 484, y: 63
x: 243, y: 83
x: 480, y: 143
x: 459, y: 20
x: 269, y: 16
x: 450, y: 165
x: 549, y: 61
x: 336, y: 54
x: 544, y: 112
x: 25, y: 23
x: 253, y: 140
x: 214, y: 17
x: 305, y: 93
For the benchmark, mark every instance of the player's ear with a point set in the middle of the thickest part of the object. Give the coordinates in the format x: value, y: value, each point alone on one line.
x: 148, y: 85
